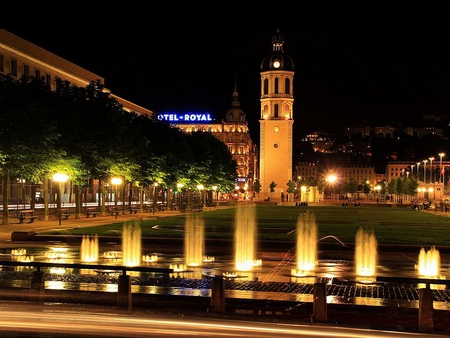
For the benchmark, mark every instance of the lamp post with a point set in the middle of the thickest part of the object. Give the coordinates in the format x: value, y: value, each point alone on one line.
x: 116, y: 181
x: 179, y: 187
x: 155, y: 202
x: 331, y: 179
x: 201, y: 188
x: 431, y: 169
x: 418, y: 164
x: 412, y: 170
x: 60, y: 178
x: 440, y: 167
x: 425, y: 171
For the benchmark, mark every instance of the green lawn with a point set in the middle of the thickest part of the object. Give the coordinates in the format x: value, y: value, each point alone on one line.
x: 390, y: 225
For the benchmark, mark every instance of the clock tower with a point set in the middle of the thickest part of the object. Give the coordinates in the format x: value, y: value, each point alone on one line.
x: 276, y: 121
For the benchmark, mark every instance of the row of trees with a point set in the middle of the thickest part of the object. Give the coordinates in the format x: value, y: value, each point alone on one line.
x: 400, y: 186
x: 86, y: 134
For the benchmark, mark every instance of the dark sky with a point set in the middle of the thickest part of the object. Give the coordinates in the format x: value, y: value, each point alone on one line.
x: 344, y: 73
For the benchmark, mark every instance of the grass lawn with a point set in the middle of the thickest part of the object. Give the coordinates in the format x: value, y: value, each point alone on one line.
x: 390, y: 225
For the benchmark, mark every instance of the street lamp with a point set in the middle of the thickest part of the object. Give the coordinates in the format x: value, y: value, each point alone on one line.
x: 331, y: 179
x: 200, y: 188
x: 425, y: 171
x: 431, y: 169
x: 116, y: 181
x: 155, y: 204
x: 179, y: 187
x: 440, y: 167
x: 60, y: 178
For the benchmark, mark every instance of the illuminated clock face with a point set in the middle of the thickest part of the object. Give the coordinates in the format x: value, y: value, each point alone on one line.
x: 277, y: 64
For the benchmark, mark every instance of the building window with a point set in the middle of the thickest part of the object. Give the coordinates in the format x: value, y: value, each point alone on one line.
x: 37, y: 74
x: 276, y: 111
x: 276, y: 85
x: 287, y: 86
x: 2, y: 63
x: 26, y: 71
x: 13, y: 68
x: 48, y: 80
x: 266, y: 86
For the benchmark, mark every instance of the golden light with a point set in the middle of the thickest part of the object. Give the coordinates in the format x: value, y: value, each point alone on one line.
x: 331, y: 178
x: 180, y: 185
x: 61, y: 178
x: 116, y: 181
x: 200, y: 187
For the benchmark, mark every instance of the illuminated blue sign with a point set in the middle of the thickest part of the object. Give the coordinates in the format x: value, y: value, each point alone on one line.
x: 186, y: 117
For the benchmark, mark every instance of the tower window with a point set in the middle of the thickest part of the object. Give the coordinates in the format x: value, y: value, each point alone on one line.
x: 276, y: 111
x: 276, y: 85
x: 287, y: 86
x: 266, y: 86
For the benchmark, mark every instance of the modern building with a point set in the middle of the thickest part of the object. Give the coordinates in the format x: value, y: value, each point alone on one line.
x: 19, y: 57
x: 276, y: 121
x: 234, y: 132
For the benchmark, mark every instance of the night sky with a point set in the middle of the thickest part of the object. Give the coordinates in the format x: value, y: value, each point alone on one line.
x: 344, y: 74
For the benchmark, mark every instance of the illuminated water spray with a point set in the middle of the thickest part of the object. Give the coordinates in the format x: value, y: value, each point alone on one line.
x: 131, y: 244
x: 429, y: 262
x: 306, y: 244
x: 366, y: 255
x: 89, y: 248
x: 194, y: 240
x: 245, y: 236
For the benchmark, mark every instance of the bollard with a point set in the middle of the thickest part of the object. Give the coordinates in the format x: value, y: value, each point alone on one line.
x: 37, y: 288
x: 217, y: 295
x: 124, y: 292
x: 426, y: 321
x: 320, y: 303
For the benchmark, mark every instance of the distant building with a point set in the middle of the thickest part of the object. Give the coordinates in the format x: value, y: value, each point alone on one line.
x: 234, y: 132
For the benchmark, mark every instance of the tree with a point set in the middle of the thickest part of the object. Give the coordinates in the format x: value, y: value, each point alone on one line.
x: 272, y: 188
x: 257, y: 186
x: 27, y: 131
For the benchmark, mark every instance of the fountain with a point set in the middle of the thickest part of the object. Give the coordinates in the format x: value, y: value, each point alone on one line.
x: 89, y: 248
x: 429, y: 262
x: 194, y: 240
x: 245, y: 238
x: 131, y: 244
x: 306, y: 244
x: 366, y: 255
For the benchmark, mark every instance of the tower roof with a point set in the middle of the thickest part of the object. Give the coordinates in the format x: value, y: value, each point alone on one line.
x: 285, y: 61
x: 235, y: 113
